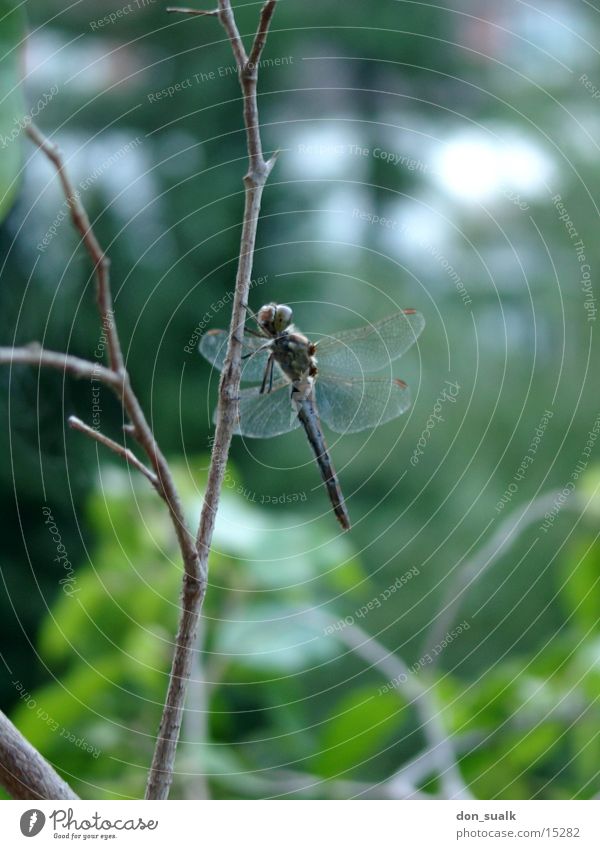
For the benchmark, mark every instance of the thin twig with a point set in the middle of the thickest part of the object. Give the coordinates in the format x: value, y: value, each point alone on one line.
x: 260, y: 39
x: 121, y: 450
x: 24, y: 772
x: 99, y: 258
x: 118, y: 379
x: 161, y: 772
x: 227, y: 19
x: 194, y: 552
x: 35, y: 355
x: 141, y: 429
x: 166, y: 485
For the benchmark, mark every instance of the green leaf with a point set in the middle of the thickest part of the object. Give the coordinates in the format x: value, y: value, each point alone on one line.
x: 483, y: 707
x: 12, y: 108
x: 580, y: 572
x: 361, y: 724
x: 118, y: 594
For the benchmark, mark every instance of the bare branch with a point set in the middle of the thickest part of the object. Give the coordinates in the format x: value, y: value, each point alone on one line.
x: 99, y: 259
x: 121, y: 450
x: 227, y: 19
x: 141, y: 429
x: 194, y: 552
x: 260, y: 39
x: 161, y: 772
x: 23, y: 771
x: 118, y: 379
x: 35, y: 355
x: 166, y: 484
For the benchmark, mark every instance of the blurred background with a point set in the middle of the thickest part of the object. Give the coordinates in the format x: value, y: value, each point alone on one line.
x: 436, y: 156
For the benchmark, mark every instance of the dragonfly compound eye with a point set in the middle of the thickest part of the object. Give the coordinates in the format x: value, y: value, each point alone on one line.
x: 283, y: 317
x: 266, y: 315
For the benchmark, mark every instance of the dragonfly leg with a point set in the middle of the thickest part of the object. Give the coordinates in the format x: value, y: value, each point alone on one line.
x: 253, y: 315
x: 265, y: 375
x: 271, y: 374
x: 252, y: 332
x: 249, y: 309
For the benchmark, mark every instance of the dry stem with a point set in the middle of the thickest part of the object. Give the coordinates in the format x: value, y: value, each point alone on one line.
x: 23, y: 771
x: 161, y: 772
x: 194, y: 551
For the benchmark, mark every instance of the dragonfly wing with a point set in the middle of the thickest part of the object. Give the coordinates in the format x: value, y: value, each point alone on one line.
x: 266, y: 415
x: 369, y: 348
x: 213, y: 347
x: 349, y: 405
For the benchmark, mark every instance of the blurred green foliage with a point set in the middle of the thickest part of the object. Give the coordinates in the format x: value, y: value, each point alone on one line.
x: 12, y: 107
x: 526, y: 729
x: 161, y: 179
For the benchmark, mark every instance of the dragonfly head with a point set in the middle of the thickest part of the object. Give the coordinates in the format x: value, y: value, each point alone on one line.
x: 274, y: 318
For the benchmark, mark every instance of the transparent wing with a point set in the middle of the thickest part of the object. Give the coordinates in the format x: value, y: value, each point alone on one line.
x: 349, y: 405
x: 369, y: 348
x: 213, y: 347
x: 270, y: 414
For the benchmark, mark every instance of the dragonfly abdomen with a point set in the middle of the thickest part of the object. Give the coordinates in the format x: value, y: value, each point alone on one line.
x: 309, y: 418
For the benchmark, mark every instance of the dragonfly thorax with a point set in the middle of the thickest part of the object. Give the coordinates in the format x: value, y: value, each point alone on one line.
x: 295, y: 355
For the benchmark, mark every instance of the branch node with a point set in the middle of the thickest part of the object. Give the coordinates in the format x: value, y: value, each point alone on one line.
x: 270, y: 163
x: 249, y: 73
x: 195, y: 582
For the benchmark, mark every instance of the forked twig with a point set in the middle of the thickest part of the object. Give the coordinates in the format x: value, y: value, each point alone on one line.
x: 121, y: 382
x: 117, y: 379
x: 161, y: 772
x: 194, y: 551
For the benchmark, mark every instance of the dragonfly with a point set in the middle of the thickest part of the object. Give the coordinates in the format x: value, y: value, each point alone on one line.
x: 301, y: 383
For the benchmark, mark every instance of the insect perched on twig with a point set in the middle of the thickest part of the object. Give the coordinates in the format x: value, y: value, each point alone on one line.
x: 302, y: 382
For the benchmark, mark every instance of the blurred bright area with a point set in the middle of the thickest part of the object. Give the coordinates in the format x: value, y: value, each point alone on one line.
x: 438, y: 157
